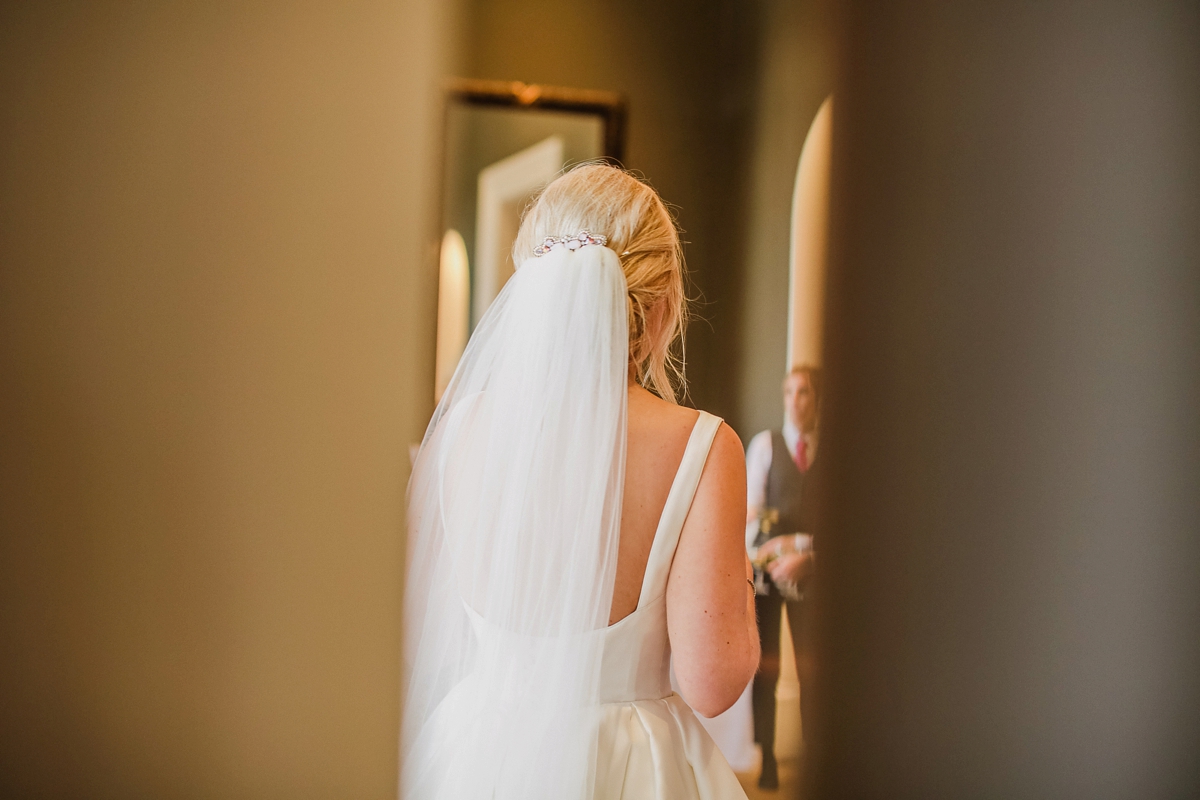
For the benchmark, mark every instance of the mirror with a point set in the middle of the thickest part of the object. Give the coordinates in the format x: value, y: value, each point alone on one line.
x: 502, y: 143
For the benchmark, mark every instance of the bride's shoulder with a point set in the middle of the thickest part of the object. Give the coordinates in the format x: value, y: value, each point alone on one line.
x: 662, y: 427
x: 648, y: 411
x: 652, y: 411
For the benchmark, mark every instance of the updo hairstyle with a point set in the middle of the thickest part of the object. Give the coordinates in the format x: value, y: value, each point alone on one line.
x: 605, y: 200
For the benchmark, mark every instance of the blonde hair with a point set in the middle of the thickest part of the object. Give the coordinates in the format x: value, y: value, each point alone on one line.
x: 602, y: 199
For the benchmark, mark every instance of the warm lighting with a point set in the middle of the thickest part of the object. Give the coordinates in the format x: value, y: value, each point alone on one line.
x: 454, y: 302
x: 810, y: 231
x: 504, y: 190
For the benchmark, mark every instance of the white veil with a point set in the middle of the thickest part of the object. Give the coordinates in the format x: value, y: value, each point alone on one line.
x: 514, y: 513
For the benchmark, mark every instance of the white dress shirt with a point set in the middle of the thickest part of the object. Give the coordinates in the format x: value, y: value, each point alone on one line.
x: 758, y: 466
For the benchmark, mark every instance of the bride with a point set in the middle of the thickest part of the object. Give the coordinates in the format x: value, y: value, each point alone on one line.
x: 573, y: 533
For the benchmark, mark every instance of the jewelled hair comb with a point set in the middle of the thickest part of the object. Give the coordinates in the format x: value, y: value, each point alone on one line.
x: 582, y: 239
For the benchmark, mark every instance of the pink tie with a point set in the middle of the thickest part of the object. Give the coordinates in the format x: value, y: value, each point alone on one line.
x: 802, y: 455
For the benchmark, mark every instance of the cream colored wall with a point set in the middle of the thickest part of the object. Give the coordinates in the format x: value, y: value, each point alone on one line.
x: 809, y: 242
x: 216, y: 331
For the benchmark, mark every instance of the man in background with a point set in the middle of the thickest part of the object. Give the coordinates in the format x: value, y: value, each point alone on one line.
x: 782, y: 477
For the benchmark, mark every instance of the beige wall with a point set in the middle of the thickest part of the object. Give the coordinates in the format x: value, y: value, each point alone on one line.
x: 810, y: 242
x: 216, y: 336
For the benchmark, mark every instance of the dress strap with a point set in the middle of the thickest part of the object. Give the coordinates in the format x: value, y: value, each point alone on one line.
x: 679, y: 501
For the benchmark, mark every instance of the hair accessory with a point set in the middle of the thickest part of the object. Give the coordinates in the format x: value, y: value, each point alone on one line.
x: 582, y: 239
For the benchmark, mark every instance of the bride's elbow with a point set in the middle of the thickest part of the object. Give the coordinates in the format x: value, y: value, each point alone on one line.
x: 713, y: 690
x: 710, y: 701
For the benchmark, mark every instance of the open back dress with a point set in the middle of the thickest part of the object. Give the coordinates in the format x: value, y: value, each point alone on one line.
x: 650, y: 743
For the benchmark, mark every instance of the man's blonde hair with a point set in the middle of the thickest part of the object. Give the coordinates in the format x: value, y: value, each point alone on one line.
x: 605, y: 200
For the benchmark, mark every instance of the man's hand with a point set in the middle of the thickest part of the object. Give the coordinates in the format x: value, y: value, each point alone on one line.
x: 782, y: 545
x: 790, y: 568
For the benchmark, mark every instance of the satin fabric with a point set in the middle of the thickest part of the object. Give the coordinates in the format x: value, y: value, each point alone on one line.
x: 650, y: 744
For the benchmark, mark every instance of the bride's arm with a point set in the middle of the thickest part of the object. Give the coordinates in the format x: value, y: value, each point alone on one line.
x: 710, y: 603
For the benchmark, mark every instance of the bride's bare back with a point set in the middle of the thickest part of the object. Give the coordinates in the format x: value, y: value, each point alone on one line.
x: 710, y: 608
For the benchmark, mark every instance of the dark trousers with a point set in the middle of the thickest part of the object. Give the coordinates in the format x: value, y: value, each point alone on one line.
x: 769, y: 609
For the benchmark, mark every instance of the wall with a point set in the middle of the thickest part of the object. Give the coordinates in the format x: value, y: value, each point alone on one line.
x: 796, y: 74
x: 1007, y: 592
x: 688, y: 70
x: 216, y: 332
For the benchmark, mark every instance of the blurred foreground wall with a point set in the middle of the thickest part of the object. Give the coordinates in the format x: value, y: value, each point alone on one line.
x: 1010, y: 580
x: 216, y: 322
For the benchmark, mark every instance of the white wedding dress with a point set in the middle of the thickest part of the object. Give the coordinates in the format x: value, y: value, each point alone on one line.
x: 515, y: 685
x: 651, y: 745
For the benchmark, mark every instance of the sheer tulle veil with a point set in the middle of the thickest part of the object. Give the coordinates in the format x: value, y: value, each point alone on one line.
x: 514, y: 512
